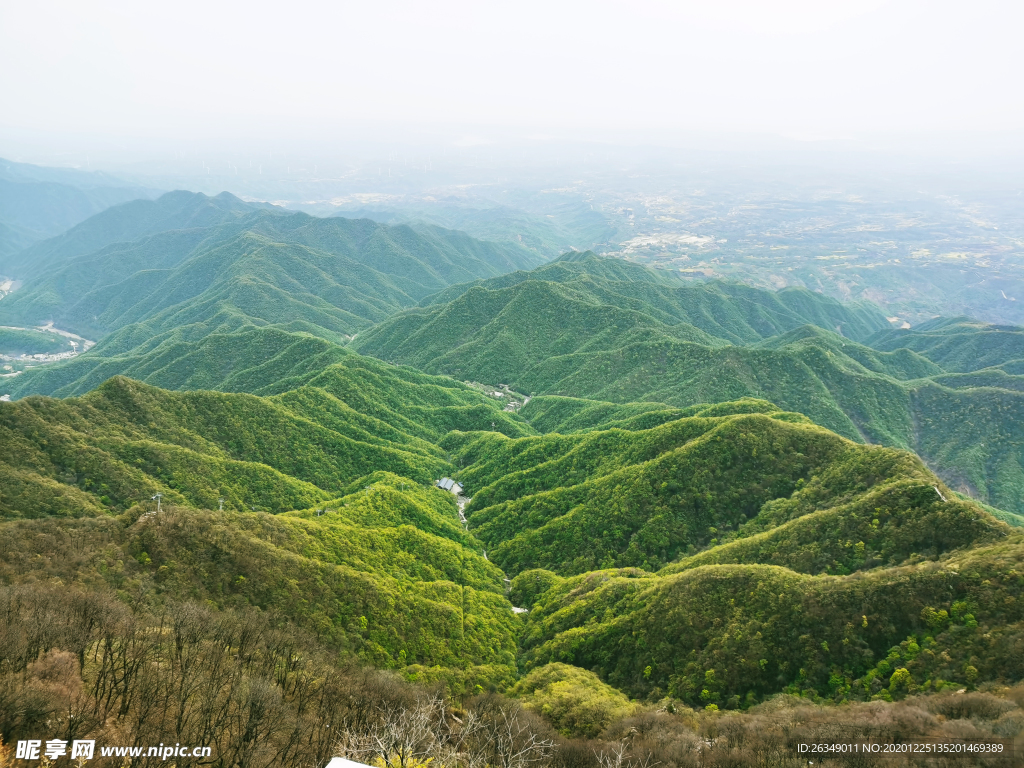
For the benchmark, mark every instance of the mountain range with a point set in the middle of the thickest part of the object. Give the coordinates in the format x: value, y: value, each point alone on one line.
x: 700, y: 492
x: 37, y: 203
x: 187, y: 258
x: 590, y: 327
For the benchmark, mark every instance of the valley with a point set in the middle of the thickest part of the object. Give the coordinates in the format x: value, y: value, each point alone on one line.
x: 623, y: 333
x: 524, y: 385
x: 685, y: 496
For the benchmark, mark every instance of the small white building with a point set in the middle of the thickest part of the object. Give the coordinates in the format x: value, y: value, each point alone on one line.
x: 447, y: 484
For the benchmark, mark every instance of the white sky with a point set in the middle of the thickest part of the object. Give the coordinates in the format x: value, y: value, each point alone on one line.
x: 803, y: 68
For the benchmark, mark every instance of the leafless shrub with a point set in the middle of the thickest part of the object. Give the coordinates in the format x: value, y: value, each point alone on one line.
x: 967, y: 706
x: 619, y: 755
x: 576, y: 753
x: 508, y: 736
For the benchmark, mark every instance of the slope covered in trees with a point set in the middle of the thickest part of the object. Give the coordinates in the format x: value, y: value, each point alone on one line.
x: 607, y: 330
x: 960, y: 344
x: 251, y: 359
x: 259, y: 692
x: 736, y: 499
x: 187, y: 258
x: 363, y: 553
x: 802, y: 561
x: 725, y: 634
x: 755, y: 484
x: 150, y: 278
x: 126, y: 441
x: 37, y: 203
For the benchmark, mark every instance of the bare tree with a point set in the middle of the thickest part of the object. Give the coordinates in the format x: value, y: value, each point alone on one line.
x: 400, y: 737
x: 618, y: 756
x: 508, y: 735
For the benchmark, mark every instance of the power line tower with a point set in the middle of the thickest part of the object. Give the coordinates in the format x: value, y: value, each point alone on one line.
x: 157, y: 497
x: 220, y: 501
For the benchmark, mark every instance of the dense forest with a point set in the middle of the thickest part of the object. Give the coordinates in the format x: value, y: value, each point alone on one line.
x: 598, y: 328
x: 702, y: 523
x: 862, y: 576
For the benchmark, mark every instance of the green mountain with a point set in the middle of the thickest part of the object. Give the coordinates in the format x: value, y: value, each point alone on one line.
x: 551, y: 232
x: 730, y: 634
x: 133, y: 220
x: 790, y: 560
x: 729, y: 311
x: 365, y: 552
x: 353, y: 418
x: 533, y: 327
x: 37, y: 203
x: 608, y: 330
x: 960, y: 344
x: 254, y: 359
x: 760, y: 485
x: 202, y: 266
x: 776, y: 539
x: 187, y: 258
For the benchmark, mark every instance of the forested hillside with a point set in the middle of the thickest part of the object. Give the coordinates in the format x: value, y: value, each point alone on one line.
x: 37, y: 203
x: 331, y: 523
x: 148, y: 277
x: 187, y: 258
x: 288, y: 451
x: 609, y: 330
x: 329, y: 514
x: 728, y: 634
x: 696, y: 495
x: 960, y: 344
x: 247, y: 360
x: 716, y: 478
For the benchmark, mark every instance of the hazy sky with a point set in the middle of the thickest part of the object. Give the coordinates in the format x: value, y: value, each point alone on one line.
x: 596, y: 69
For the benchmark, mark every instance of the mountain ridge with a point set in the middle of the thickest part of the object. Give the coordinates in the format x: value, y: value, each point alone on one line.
x: 781, y: 347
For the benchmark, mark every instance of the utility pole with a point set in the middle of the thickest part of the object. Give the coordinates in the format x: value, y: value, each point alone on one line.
x: 158, y: 497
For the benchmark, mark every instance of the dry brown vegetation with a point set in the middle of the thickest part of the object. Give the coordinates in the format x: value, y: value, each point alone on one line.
x: 80, y: 665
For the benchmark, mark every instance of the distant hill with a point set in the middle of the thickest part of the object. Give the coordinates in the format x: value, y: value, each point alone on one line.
x: 549, y: 230
x: 960, y: 344
x: 37, y: 203
x: 604, y: 329
x: 253, y: 359
x: 187, y: 258
x: 171, y: 212
x: 148, y: 277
